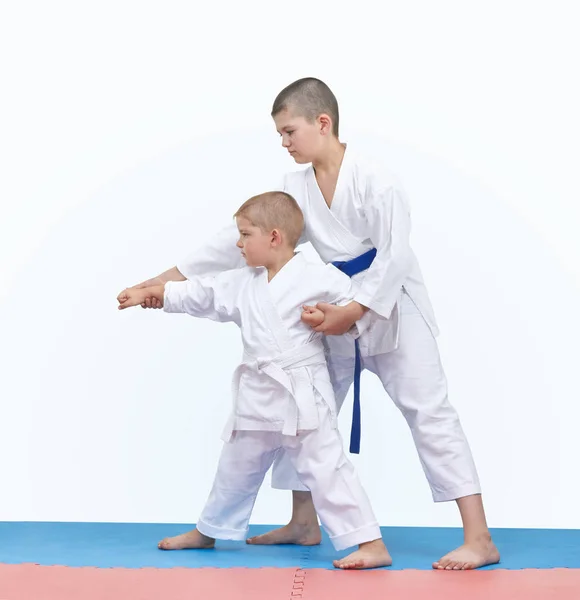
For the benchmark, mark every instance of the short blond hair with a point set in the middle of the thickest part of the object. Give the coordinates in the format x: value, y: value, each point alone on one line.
x: 274, y: 210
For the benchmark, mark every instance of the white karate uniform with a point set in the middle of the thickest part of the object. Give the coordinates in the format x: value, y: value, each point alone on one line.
x: 370, y: 209
x: 283, y: 399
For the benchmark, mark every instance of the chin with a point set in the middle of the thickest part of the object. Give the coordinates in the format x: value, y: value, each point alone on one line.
x: 301, y: 160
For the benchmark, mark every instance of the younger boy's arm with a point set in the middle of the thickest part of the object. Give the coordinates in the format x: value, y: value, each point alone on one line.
x: 207, y: 297
x: 324, y: 317
x: 312, y: 316
x: 214, y: 298
x: 215, y: 256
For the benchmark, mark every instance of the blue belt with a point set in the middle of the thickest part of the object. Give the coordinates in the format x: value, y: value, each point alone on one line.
x: 353, y: 267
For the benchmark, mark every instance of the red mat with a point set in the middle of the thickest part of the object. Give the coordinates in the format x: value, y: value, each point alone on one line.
x: 33, y: 582
x: 563, y: 584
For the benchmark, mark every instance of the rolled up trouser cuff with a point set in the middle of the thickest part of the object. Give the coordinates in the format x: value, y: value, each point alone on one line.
x: 368, y: 533
x: 221, y: 533
x: 468, y: 489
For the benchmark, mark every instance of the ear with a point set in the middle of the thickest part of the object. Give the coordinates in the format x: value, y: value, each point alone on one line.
x: 276, y: 237
x: 325, y: 123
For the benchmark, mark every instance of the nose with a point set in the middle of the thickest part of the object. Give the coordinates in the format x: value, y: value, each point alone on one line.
x: 239, y: 243
x: 285, y: 141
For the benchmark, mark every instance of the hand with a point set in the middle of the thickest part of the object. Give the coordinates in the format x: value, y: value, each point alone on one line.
x: 312, y: 316
x: 152, y: 302
x: 122, y: 297
x: 149, y: 302
x: 131, y: 297
x: 339, y: 319
x: 140, y: 296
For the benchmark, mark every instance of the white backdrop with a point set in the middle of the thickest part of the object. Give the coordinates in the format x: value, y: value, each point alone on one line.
x: 131, y: 131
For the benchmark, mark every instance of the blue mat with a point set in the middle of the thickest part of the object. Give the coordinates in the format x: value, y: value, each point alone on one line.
x: 134, y: 545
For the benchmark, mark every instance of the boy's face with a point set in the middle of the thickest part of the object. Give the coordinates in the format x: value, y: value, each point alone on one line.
x: 255, y: 245
x: 302, y: 139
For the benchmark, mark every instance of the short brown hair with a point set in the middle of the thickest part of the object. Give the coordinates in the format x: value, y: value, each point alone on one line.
x: 274, y: 210
x: 309, y: 97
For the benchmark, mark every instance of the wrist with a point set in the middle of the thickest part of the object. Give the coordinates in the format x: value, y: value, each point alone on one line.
x: 156, y: 281
x: 357, y: 310
x: 159, y: 290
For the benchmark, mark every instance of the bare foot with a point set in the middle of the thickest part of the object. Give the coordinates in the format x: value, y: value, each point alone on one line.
x: 302, y: 535
x: 191, y: 539
x: 470, y: 556
x: 369, y: 555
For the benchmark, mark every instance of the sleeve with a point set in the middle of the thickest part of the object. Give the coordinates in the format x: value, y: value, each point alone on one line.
x: 388, y: 216
x: 213, y: 298
x: 218, y: 255
x: 341, y: 292
x: 288, y: 183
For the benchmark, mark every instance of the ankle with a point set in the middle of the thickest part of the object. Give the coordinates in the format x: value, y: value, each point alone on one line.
x: 378, y: 543
x: 479, y: 537
x: 304, y: 522
x: 204, y: 538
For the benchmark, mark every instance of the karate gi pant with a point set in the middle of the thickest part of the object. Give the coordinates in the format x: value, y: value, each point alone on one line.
x: 413, y: 377
x: 318, y: 459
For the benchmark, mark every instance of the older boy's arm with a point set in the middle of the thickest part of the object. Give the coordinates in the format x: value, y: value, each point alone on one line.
x: 389, y: 218
x: 136, y: 296
x: 218, y: 254
x: 173, y: 274
x: 340, y: 313
x: 339, y: 319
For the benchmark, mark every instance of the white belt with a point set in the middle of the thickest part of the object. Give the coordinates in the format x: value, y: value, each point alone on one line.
x: 302, y: 401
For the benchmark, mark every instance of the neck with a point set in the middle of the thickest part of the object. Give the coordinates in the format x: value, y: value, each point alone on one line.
x: 278, y: 262
x: 332, y: 159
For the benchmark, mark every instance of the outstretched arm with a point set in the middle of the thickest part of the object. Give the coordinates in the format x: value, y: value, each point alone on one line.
x: 206, y: 297
x: 137, y: 296
x: 218, y: 254
x: 173, y: 274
